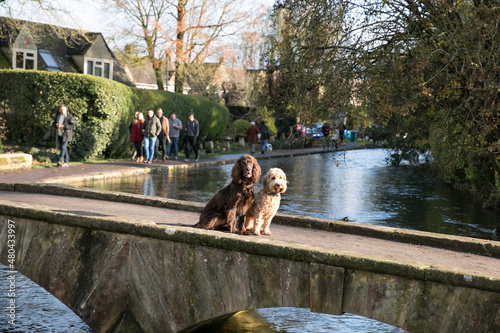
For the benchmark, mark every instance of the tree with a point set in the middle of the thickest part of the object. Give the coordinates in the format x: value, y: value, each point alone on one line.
x: 202, y: 25
x: 147, y: 17
x: 309, y: 69
x: 428, y: 69
x: 432, y: 72
x: 185, y: 32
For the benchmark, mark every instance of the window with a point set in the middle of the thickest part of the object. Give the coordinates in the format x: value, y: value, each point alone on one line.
x: 106, y: 70
x: 25, y: 59
x: 90, y: 67
x: 100, y: 68
x: 19, y: 60
x: 49, y: 61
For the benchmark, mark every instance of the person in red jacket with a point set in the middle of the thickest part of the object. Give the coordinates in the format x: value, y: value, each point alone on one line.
x: 136, y: 135
x: 253, y: 136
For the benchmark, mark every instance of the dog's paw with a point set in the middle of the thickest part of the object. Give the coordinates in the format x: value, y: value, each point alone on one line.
x: 256, y: 232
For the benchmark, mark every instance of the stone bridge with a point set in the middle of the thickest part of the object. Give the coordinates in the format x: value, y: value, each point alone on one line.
x: 121, y: 275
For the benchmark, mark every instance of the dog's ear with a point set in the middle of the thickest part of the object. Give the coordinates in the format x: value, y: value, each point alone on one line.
x: 236, y: 171
x: 265, y: 181
x: 256, y: 170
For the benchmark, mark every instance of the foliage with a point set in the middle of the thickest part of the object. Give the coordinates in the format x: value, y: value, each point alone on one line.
x: 240, y: 112
x: 103, y: 110
x: 3, y: 130
x: 427, y: 70
x: 309, y: 75
x: 212, y: 117
x: 239, y: 127
x: 50, y: 155
x: 433, y: 75
x: 180, y: 34
x: 32, y: 98
x: 254, y: 114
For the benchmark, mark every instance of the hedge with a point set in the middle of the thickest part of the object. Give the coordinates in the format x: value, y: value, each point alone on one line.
x: 102, y: 108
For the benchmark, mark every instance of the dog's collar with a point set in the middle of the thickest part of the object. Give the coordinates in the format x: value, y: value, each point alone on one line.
x: 274, y: 194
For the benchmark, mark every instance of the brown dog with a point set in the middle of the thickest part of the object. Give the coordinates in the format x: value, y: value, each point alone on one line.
x: 228, y: 207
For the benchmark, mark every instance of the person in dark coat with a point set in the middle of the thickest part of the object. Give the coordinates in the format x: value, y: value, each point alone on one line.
x: 151, y: 128
x: 264, y: 136
x: 326, y: 129
x: 192, y: 130
x: 64, y: 124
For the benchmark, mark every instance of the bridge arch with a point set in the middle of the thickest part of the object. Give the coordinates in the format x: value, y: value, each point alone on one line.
x: 119, y: 275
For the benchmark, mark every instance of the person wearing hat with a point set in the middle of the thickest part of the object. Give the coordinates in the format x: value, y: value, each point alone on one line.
x: 253, y: 136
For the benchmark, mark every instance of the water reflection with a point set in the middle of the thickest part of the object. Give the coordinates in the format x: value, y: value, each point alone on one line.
x: 357, y: 184
x: 295, y: 320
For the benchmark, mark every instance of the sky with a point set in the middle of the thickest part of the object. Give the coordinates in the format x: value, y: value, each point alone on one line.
x: 84, y: 14
x: 88, y: 15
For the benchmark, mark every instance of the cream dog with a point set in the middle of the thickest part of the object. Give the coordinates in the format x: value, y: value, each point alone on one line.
x: 266, y: 203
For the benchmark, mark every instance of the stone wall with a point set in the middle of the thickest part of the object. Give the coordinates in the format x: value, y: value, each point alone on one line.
x: 15, y: 161
x: 124, y: 276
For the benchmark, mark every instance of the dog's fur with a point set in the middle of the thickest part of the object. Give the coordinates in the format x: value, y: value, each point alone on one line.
x: 228, y: 207
x: 266, y: 203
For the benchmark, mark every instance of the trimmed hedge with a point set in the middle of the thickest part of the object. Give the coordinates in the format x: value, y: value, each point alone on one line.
x: 103, y: 110
x: 213, y: 117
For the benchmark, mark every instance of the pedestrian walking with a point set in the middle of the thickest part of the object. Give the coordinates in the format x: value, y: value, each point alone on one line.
x: 150, y: 130
x: 64, y: 124
x: 192, y: 129
x: 252, y: 134
x: 136, y: 135
x: 326, y: 129
x: 264, y: 136
x: 163, y: 137
x: 175, y: 126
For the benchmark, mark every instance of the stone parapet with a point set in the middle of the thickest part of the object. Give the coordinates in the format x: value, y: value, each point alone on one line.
x: 122, y: 275
x: 450, y: 242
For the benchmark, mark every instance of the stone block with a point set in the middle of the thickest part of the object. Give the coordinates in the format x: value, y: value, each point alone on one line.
x: 327, y: 285
x: 241, y: 141
x: 209, y: 147
x: 15, y: 161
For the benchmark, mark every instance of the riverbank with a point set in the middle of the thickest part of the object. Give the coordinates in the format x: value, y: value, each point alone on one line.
x: 128, y: 167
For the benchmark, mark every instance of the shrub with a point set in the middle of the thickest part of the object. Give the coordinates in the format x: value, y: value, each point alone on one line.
x: 103, y: 110
x: 239, y: 127
x: 213, y: 117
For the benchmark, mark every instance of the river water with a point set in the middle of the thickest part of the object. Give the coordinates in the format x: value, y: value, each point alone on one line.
x: 357, y: 184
